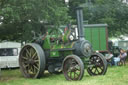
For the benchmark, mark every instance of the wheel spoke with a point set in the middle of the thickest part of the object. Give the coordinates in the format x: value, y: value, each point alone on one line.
x: 69, y: 70
x: 92, y: 68
x: 28, y: 69
x: 35, y: 58
x: 36, y: 61
x: 74, y: 75
x: 100, y: 71
x: 25, y: 58
x: 25, y: 65
x: 100, y: 67
x: 27, y: 53
x: 34, y: 55
x: 68, y: 65
x: 31, y: 69
x: 77, y: 68
x: 34, y: 70
x: 30, y: 53
x: 69, y: 62
x: 36, y: 67
x: 97, y: 70
x: 70, y: 74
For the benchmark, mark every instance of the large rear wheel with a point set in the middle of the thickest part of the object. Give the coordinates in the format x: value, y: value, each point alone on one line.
x: 98, y: 65
x: 32, y: 61
x: 73, y: 68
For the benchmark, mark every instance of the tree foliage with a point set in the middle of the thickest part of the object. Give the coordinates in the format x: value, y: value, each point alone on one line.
x: 22, y: 16
x: 19, y: 17
x: 112, y: 12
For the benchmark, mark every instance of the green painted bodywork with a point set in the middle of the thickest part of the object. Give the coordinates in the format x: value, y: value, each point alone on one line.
x: 54, y: 54
x: 65, y: 36
x: 46, y: 44
x: 97, y: 35
x: 55, y: 41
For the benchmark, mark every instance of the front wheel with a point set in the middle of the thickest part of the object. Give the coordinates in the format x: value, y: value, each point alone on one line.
x: 73, y: 68
x: 32, y: 60
x: 98, y: 65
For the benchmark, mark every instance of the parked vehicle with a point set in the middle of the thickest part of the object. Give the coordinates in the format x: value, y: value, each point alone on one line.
x: 58, y: 51
x: 123, y: 44
x: 9, y: 54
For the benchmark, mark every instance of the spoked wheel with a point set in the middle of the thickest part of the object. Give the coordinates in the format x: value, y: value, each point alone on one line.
x: 32, y: 61
x: 98, y: 65
x: 73, y: 68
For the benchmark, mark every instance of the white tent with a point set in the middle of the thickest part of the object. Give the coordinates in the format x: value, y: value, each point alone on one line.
x: 121, y: 41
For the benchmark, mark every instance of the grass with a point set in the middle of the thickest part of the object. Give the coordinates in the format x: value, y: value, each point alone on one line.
x: 114, y: 76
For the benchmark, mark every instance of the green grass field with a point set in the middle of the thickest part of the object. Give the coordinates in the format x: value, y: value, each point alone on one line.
x: 114, y: 76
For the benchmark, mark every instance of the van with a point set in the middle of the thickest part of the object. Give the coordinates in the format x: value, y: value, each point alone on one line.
x: 9, y: 54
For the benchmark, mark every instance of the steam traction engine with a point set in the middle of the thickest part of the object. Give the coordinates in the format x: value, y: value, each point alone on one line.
x: 59, y: 51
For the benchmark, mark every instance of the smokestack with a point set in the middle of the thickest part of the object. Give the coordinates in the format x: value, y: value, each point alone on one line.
x: 79, y: 12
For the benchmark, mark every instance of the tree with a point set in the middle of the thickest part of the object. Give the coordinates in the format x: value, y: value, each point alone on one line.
x: 22, y: 16
x: 114, y: 13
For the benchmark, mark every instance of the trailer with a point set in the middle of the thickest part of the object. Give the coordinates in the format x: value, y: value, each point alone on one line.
x: 97, y: 34
x: 9, y: 54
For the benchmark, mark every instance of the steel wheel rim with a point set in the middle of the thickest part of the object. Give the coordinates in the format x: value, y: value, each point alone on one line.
x: 30, y: 61
x: 98, y: 65
x: 72, y: 69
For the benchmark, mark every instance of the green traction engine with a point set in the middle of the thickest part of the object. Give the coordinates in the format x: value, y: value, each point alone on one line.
x: 61, y: 51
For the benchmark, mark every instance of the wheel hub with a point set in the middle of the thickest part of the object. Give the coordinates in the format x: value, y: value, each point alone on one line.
x: 31, y: 61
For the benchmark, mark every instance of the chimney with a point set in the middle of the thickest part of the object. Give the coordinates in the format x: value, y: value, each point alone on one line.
x: 79, y: 12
